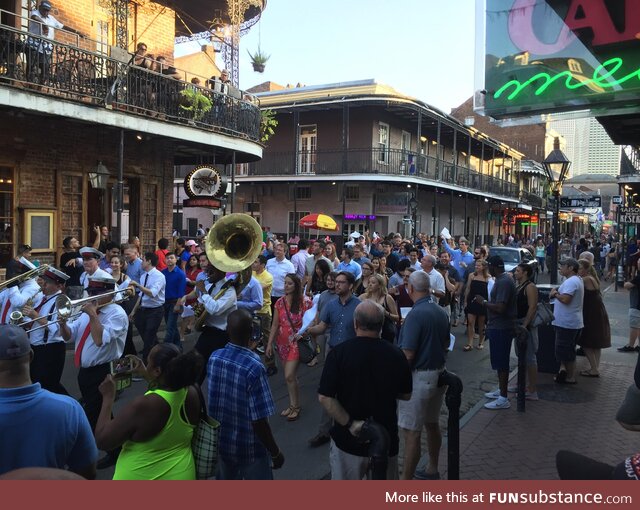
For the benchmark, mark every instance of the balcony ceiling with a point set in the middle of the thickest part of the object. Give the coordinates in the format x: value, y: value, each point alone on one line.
x: 623, y: 129
x: 198, y: 14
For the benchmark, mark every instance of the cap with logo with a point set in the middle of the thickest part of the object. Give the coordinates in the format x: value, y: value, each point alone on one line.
x: 55, y: 275
x: 45, y: 5
x: 496, y: 261
x: 190, y: 242
x: 14, y: 342
x: 100, y: 285
x: 90, y: 253
x: 572, y: 263
x: 355, y: 235
x: 25, y: 265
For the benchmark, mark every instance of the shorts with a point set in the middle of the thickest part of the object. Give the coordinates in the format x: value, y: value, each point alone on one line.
x: 345, y: 466
x: 532, y: 347
x: 566, y: 344
x: 425, y: 403
x: 500, y: 348
x: 634, y: 318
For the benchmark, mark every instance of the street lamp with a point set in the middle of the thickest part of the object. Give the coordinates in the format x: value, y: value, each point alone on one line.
x: 413, y: 207
x: 556, y: 166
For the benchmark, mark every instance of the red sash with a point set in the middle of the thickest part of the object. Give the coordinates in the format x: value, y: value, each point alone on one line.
x: 5, y: 311
x: 83, y: 339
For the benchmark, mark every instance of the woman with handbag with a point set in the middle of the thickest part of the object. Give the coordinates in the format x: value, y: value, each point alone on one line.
x: 377, y: 292
x: 287, y: 321
x: 155, y: 430
x: 477, y: 285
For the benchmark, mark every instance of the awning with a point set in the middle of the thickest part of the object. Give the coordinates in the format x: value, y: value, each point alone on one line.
x: 193, y: 16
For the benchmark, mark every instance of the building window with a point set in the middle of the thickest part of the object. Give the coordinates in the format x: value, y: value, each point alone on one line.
x: 71, y: 211
x: 294, y: 219
x: 7, y: 222
x: 303, y: 192
x: 383, y: 142
x: 352, y: 192
x: 405, y: 141
x: 149, y: 217
x: 307, y: 149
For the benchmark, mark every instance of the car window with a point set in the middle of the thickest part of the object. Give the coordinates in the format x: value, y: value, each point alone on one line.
x: 526, y: 255
x: 508, y: 256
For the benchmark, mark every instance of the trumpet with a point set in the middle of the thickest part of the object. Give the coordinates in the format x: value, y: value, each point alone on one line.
x: 68, y: 309
x: 32, y: 273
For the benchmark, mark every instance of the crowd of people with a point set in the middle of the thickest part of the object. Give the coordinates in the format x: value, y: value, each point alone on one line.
x: 380, y: 316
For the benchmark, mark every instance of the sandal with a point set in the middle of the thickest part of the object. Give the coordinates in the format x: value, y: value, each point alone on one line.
x: 287, y: 412
x: 467, y: 348
x: 294, y: 414
x: 313, y: 362
x: 480, y: 346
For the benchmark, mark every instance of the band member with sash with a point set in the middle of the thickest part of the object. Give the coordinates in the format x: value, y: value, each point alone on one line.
x: 90, y: 262
x: 49, y: 349
x: 19, y: 294
x: 217, y: 305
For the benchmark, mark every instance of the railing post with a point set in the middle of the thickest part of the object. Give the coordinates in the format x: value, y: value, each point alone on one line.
x: 453, y: 400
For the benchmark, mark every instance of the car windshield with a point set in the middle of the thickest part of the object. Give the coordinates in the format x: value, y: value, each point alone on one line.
x: 508, y: 256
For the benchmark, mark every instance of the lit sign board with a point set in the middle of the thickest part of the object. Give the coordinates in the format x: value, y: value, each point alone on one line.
x: 369, y: 217
x: 557, y: 55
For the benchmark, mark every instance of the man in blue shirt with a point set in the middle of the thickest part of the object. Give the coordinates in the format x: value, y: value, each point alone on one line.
x: 348, y: 264
x: 251, y: 297
x: 460, y: 258
x: 38, y: 428
x: 175, y: 288
x: 240, y: 399
x: 134, y: 263
x: 338, y: 314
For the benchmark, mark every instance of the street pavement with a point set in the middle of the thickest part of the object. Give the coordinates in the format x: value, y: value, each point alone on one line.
x: 494, y: 444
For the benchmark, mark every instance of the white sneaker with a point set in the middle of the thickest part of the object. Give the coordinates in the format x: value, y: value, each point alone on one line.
x: 499, y: 403
x: 493, y: 394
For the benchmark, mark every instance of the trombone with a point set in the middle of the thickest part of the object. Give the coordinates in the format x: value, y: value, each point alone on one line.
x: 67, y: 309
x: 32, y: 273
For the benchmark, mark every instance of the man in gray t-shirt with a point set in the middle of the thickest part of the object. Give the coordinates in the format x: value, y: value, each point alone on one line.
x: 501, y: 315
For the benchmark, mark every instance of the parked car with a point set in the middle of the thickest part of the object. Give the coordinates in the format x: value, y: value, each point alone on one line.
x: 514, y: 256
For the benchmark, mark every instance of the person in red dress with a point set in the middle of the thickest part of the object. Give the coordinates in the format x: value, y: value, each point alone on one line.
x: 287, y: 320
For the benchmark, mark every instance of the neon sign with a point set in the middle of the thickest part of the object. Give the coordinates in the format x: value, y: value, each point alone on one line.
x: 370, y: 217
x: 545, y: 56
x: 605, y: 80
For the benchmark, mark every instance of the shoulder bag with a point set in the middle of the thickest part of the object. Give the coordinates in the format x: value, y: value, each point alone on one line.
x: 544, y: 315
x: 388, y: 326
x: 204, y: 444
x: 306, y: 351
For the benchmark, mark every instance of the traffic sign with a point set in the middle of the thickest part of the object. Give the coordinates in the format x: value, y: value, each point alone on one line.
x: 578, y: 202
x: 616, y: 199
x: 629, y: 214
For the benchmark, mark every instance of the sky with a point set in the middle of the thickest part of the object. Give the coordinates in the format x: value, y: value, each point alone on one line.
x: 421, y: 48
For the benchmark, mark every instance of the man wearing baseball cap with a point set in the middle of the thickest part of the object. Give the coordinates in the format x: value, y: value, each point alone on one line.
x: 501, y: 321
x: 90, y: 261
x: 38, y: 428
x: 568, y: 322
x: 49, y: 349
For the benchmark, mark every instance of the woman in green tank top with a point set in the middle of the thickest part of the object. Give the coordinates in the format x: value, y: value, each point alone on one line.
x: 155, y: 430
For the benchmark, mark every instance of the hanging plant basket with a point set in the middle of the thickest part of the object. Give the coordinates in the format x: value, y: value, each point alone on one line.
x: 258, y: 68
x: 258, y: 60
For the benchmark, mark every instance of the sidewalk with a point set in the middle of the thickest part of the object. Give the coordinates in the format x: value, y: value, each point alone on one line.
x: 506, y: 444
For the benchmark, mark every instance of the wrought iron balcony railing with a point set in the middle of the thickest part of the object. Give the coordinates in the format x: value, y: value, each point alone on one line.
x: 532, y: 199
x: 387, y: 162
x: 78, y: 74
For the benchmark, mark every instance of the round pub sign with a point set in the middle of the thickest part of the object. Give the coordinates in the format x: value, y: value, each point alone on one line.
x: 205, y: 181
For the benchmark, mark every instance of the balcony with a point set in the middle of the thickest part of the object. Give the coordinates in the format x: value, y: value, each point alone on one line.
x: 72, y: 73
x: 371, y: 162
x: 532, y: 199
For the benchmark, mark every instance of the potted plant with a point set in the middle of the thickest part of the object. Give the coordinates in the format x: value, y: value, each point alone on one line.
x: 258, y: 60
x: 194, y: 101
x: 268, y: 123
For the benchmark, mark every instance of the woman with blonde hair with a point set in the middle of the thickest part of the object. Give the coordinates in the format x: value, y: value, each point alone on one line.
x: 330, y: 253
x: 596, y: 333
x: 377, y: 292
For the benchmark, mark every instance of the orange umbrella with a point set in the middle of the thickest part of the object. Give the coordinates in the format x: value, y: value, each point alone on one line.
x: 318, y: 221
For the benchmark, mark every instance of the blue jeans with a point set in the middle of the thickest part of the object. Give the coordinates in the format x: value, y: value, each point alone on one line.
x: 171, y: 335
x: 259, y: 469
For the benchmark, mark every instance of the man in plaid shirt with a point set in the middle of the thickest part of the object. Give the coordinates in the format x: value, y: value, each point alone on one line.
x: 240, y: 399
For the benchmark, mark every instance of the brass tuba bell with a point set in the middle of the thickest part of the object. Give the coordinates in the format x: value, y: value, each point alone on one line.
x: 234, y: 242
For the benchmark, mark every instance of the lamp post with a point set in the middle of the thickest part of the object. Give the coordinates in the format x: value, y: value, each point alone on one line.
x: 413, y: 207
x: 556, y: 166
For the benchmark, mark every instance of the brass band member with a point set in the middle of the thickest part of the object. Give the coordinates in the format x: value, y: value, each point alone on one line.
x: 19, y: 294
x: 214, y: 334
x: 99, y: 336
x: 49, y: 348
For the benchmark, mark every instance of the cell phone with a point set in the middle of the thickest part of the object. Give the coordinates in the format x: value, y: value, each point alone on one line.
x: 121, y: 370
